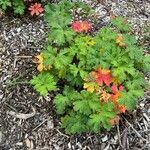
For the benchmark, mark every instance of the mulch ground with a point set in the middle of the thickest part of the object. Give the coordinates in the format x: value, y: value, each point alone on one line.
x: 29, y: 121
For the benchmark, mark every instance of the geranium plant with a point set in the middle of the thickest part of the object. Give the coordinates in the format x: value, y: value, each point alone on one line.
x: 20, y: 6
x: 96, y: 77
x: 17, y: 5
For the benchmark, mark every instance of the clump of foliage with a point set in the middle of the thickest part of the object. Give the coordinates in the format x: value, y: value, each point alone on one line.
x: 102, y: 76
x: 19, y: 6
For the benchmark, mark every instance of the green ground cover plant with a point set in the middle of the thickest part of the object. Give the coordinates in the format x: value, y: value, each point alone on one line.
x: 17, y: 5
x: 21, y: 6
x: 96, y: 78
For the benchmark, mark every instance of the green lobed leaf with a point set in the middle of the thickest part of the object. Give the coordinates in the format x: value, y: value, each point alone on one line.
x: 5, y: 4
x: 43, y: 83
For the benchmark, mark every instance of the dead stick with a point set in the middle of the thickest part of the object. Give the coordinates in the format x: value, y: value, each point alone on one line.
x: 119, y: 137
x: 138, y: 134
x: 23, y: 56
x: 21, y: 115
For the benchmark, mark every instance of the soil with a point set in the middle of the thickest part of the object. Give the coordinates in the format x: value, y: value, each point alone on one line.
x: 29, y: 121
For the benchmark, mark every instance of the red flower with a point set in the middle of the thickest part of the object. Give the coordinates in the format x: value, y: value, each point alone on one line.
x: 114, y: 97
x: 120, y: 109
x: 121, y: 87
x: 36, y: 9
x: 114, y: 89
x: 103, y: 76
x: 116, y: 92
x: 81, y: 26
x: 76, y: 26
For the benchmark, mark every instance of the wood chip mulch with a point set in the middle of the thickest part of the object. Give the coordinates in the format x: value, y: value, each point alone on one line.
x: 29, y: 121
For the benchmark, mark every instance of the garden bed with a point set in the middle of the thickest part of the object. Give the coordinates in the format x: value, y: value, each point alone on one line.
x: 23, y: 38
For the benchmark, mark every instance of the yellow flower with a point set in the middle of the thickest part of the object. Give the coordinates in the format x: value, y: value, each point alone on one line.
x: 39, y: 61
x: 40, y: 67
x: 91, y: 42
x: 120, y: 40
x: 89, y: 86
x: 39, y: 58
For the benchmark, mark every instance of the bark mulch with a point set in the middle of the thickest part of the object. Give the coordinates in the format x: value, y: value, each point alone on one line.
x: 29, y: 121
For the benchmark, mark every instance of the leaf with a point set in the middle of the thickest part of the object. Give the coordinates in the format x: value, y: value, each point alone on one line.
x: 62, y: 60
x: 135, y: 90
x: 121, y: 24
x: 107, y: 34
x: 82, y: 107
x: 94, y: 105
x: 83, y: 74
x: 43, y: 83
x: 61, y: 102
x: 19, y: 7
x: 122, y: 71
x: 74, y: 123
x: 87, y: 103
x: 49, y: 56
x: 5, y: 3
x: 74, y: 69
x: 146, y: 63
x: 62, y: 73
x: 58, y: 18
x: 129, y: 40
x: 114, y: 120
x: 120, y: 40
x: 58, y: 36
x: 69, y: 35
x: 102, y: 118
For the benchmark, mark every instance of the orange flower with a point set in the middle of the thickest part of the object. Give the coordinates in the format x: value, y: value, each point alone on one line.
x: 81, y: 26
x: 105, y: 96
x: 116, y: 92
x: 85, y: 26
x: 115, y: 97
x: 120, y: 40
x: 115, y: 120
x: 39, y: 61
x: 36, y: 9
x: 103, y: 76
x: 120, y: 108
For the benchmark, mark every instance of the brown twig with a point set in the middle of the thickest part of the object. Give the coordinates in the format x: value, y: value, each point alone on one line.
x: 119, y: 137
x: 124, y: 139
x: 23, y: 56
x: 62, y: 133
x: 39, y: 125
x: 138, y: 134
x: 21, y: 115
